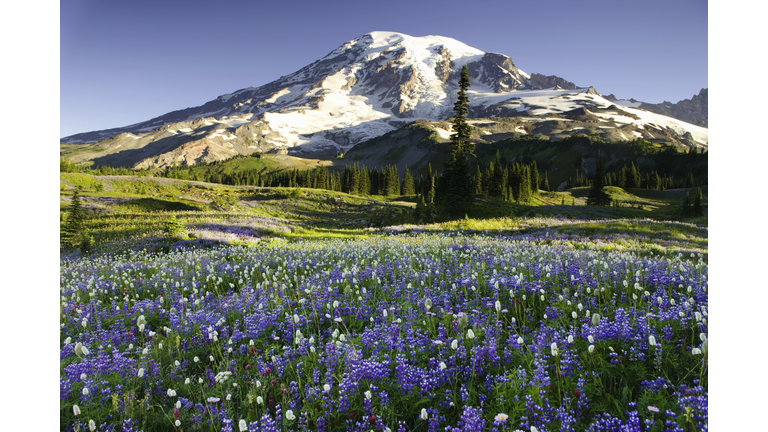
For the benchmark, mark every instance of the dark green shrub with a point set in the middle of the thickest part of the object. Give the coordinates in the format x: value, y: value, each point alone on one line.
x: 173, y: 228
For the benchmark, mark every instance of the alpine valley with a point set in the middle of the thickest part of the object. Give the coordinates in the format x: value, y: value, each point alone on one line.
x: 388, y: 83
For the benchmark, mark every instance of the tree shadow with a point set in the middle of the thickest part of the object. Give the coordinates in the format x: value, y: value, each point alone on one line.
x: 154, y: 204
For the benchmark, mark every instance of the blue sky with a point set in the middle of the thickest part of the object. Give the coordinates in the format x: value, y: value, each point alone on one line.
x: 126, y: 62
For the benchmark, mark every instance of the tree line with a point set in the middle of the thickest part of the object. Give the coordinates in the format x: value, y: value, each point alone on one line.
x: 628, y: 176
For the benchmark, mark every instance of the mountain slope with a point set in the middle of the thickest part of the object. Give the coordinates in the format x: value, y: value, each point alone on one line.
x: 694, y: 111
x: 367, y: 87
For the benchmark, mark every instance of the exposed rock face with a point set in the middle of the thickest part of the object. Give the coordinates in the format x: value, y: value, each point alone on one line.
x: 539, y: 81
x: 497, y: 72
x: 694, y: 110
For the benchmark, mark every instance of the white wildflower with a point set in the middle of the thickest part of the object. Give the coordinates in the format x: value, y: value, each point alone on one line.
x: 242, y: 425
x: 289, y: 415
x: 651, y: 340
x: 424, y: 414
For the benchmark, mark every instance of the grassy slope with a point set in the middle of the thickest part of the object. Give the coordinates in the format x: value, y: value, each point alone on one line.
x: 127, y: 211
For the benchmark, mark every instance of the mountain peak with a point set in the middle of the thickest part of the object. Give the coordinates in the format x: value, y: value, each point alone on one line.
x: 363, y: 89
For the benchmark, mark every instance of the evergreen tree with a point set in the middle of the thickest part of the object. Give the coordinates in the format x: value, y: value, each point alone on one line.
x: 546, y: 182
x: 525, y: 185
x: 173, y: 228
x: 496, y: 188
x: 597, y: 194
x: 534, y: 178
x: 697, y: 210
x: 634, y: 177
x: 622, y: 178
x: 478, y: 182
x: 456, y: 181
x: 73, y: 226
x: 408, y: 187
x: 460, y: 187
x: 460, y: 139
x: 686, y: 211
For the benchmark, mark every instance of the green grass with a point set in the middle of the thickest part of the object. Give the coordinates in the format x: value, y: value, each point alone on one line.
x: 131, y: 210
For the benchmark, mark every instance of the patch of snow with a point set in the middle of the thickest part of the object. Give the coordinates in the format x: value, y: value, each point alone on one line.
x: 637, y: 134
x: 223, y: 136
x: 236, y: 121
x: 274, y: 97
x: 627, y: 103
x: 444, y: 134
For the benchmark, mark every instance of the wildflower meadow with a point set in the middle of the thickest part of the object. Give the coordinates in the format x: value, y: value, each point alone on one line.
x: 388, y: 331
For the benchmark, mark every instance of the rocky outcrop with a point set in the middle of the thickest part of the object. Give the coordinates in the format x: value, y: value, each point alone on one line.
x: 539, y: 81
x: 693, y: 111
x: 498, y: 72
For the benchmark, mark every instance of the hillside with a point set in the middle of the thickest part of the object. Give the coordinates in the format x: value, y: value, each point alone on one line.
x: 129, y: 212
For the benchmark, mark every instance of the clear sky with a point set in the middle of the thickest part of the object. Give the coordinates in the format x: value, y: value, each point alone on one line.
x: 126, y: 62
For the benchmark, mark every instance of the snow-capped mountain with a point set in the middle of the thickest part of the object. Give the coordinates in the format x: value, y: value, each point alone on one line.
x: 363, y: 89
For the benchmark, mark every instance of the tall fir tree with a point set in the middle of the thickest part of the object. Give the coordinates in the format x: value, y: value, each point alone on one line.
x: 534, y: 178
x: 697, y: 210
x: 460, y: 139
x: 70, y: 234
x: 497, y: 186
x: 621, y: 180
x: 478, y: 181
x: 458, y: 184
x: 408, y: 187
x: 597, y: 194
x: 636, y: 180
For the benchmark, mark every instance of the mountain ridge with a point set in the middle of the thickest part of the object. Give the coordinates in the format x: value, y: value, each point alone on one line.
x: 366, y: 87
